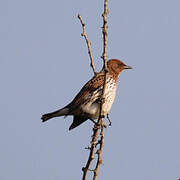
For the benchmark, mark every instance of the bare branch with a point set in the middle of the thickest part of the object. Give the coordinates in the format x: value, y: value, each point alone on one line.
x: 92, y: 151
x: 101, y: 115
x: 100, y: 123
x: 99, y: 152
x: 88, y: 44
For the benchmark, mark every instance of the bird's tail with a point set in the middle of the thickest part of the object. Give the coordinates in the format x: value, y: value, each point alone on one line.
x: 61, y: 112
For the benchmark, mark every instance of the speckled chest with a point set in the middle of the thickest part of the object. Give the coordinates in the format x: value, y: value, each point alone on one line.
x: 91, y: 107
x: 110, y: 93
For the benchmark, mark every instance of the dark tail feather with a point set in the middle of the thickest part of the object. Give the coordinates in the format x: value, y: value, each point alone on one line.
x: 61, y: 112
x: 77, y: 121
x: 46, y: 117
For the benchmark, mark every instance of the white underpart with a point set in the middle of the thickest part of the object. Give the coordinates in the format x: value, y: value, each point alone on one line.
x: 110, y: 92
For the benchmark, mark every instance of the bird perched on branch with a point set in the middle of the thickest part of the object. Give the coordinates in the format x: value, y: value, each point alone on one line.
x: 86, y: 104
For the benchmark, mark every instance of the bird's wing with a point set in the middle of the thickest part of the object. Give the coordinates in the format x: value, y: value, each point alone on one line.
x: 94, y: 85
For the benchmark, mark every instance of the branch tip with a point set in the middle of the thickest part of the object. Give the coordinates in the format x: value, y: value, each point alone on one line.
x: 88, y: 43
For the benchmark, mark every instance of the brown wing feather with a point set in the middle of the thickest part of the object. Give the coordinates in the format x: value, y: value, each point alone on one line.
x: 93, y: 84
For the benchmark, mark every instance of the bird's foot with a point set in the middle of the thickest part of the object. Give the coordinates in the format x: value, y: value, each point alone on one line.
x: 110, y: 122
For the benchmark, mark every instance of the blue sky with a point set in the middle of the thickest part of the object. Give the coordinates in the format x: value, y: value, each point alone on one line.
x: 43, y: 65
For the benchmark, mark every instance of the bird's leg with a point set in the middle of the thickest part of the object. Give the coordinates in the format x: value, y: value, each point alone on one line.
x: 98, y: 125
x: 110, y: 122
x: 102, y: 100
x: 102, y: 116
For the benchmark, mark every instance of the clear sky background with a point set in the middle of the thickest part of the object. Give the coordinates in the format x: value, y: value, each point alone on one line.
x: 43, y: 65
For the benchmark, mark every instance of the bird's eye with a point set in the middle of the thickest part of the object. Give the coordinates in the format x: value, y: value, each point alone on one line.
x: 119, y: 64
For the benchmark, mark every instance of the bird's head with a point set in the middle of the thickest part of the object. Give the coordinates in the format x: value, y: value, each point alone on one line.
x: 116, y: 66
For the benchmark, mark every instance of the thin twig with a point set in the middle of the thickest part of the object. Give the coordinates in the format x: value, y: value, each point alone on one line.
x: 88, y: 44
x: 104, y: 31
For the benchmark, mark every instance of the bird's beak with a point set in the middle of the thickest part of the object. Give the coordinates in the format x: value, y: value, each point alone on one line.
x: 127, y: 67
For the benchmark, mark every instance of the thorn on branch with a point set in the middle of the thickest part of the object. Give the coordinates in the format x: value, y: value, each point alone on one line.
x: 99, y: 141
x: 91, y: 170
x: 97, y: 152
x: 88, y: 148
x: 84, y: 169
x: 92, y: 157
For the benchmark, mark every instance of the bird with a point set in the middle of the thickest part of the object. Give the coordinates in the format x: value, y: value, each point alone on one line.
x: 86, y: 104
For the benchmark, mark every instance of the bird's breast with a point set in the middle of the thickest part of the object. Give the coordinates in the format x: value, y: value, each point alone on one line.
x: 92, y: 106
x: 110, y: 93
